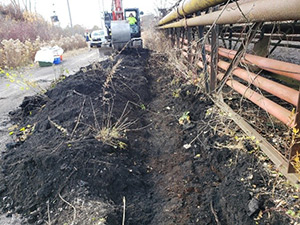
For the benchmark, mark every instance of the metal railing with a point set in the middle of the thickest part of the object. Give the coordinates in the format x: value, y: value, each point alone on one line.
x: 214, y: 60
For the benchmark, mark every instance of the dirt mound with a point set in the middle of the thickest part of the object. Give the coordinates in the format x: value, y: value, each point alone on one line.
x: 61, y: 154
x: 114, y: 135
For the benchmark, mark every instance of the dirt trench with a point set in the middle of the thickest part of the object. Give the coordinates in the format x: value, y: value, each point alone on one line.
x: 162, y: 165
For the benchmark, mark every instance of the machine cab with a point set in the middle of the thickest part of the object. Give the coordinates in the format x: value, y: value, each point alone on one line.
x: 135, y: 29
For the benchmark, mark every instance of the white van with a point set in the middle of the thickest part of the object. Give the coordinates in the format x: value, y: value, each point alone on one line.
x: 98, y: 38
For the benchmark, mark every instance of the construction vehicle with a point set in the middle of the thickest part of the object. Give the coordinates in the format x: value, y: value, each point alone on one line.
x: 121, y: 33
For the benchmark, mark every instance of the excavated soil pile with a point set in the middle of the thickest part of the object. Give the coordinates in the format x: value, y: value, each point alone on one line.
x: 65, y: 169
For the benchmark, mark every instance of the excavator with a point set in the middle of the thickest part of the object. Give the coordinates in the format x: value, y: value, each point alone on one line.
x: 121, y: 33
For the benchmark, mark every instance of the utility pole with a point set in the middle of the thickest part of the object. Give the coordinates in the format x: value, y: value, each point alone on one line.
x: 101, y: 10
x: 103, y: 15
x: 70, y: 14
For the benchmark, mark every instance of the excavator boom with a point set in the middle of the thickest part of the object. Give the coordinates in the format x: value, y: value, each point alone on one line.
x: 117, y: 10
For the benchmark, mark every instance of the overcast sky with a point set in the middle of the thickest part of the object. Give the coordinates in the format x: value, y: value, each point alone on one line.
x: 86, y: 12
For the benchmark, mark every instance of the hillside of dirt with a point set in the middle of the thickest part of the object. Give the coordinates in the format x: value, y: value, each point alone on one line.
x: 127, y: 140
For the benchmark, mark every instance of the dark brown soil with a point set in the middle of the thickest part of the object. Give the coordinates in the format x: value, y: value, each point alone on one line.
x: 161, y: 182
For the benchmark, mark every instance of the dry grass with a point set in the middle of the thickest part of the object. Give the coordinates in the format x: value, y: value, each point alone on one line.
x: 113, y: 134
x: 185, y: 70
x: 155, y: 40
x: 22, y: 33
x: 14, y: 53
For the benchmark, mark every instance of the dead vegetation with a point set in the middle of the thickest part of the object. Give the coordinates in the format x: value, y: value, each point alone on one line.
x: 23, y: 33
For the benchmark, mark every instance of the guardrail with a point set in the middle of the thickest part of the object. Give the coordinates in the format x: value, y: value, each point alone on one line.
x: 201, y: 47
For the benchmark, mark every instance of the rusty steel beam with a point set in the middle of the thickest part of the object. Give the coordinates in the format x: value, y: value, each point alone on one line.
x: 188, y: 7
x: 275, y: 66
x: 254, y: 11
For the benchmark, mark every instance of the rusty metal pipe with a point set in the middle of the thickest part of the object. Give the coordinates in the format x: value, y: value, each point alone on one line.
x: 286, y: 93
x: 188, y: 7
x: 254, y: 11
x: 271, y: 107
x: 287, y: 37
x: 275, y: 66
x: 286, y: 44
x: 281, y: 91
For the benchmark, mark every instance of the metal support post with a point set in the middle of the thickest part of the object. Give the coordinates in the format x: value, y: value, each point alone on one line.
x: 178, y: 34
x: 173, y: 34
x: 214, y: 58
x: 178, y: 30
x: 189, y: 38
x: 71, y: 24
x: 230, y: 36
x: 222, y: 32
x: 279, y: 41
x: 166, y: 33
x: 203, y: 56
x: 182, y: 37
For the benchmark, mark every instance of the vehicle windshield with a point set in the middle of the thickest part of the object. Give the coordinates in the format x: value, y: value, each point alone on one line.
x: 98, y: 33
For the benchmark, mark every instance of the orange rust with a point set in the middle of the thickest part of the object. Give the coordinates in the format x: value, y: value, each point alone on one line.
x: 275, y: 66
x: 271, y: 107
x: 286, y: 93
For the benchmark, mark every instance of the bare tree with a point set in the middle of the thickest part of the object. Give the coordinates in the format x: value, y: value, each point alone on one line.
x: 15, y: 3
x: 26, y: 4
x: 164, y: 5
x: 16, y: 6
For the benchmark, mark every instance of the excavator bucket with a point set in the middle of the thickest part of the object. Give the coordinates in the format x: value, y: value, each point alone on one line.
x: 120, y: 32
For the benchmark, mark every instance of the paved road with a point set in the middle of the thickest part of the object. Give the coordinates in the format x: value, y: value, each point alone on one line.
x: 13, y: 93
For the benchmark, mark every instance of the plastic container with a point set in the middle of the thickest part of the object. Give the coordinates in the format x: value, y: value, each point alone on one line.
x: 57, y: 61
